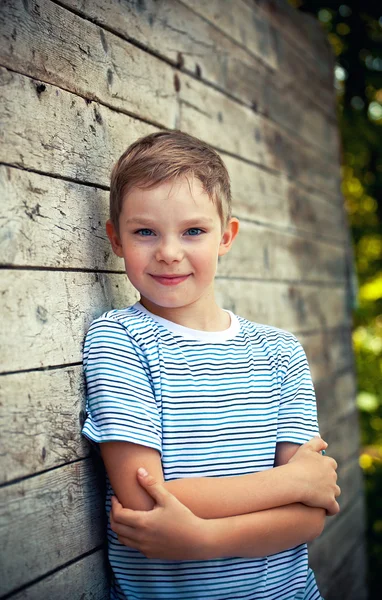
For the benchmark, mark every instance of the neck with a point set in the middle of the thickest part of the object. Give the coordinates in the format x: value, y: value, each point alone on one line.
x: 192, y: 316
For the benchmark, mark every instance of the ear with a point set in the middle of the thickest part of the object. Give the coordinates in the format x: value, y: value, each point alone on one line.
x: 114, y: 239
x: 229, y: 234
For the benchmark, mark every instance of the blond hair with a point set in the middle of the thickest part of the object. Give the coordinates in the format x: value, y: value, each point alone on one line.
x: 164, y: 156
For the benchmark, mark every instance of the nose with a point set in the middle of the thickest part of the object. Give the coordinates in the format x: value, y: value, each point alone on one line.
x: 169, y: 250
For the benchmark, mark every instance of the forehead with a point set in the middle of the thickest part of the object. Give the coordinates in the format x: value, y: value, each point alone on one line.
x: 185, y: 193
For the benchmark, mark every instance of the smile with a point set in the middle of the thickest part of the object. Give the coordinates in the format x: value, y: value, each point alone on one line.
x: 170, y: 279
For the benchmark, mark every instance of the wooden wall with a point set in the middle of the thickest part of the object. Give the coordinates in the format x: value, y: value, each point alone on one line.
x: 80, y: 80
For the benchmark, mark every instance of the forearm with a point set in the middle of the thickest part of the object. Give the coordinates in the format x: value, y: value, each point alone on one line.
x: 218, y: 497
x: 262, y: 533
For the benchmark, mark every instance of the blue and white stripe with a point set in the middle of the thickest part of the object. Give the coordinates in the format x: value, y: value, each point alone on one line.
x: 213, y: 405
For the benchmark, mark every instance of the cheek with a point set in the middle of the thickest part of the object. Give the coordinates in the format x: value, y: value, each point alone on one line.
x: 134, y: 261
x: 206, y: 260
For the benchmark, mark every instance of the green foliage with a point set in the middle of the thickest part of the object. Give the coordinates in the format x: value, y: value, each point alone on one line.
x: 354, y: 30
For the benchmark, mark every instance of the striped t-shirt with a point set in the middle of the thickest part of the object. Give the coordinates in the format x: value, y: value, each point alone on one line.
x: 214, y: 404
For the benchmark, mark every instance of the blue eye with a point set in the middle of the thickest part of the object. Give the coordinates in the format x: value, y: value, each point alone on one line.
x: 194, y: 231
x: 144, y: 232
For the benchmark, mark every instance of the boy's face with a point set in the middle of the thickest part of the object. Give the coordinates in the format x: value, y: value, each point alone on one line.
x: 170, y: 238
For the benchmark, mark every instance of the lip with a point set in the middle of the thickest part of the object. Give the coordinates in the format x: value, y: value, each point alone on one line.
x: 170, y: 279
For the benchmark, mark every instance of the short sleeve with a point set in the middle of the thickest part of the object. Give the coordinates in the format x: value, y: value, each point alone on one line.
x: 120, y: 401
x: 297, y: 419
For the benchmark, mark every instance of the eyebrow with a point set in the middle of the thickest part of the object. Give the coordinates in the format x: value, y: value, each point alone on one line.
x: 186, y: 223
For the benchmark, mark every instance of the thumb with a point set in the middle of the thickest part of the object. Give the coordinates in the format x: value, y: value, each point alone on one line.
x: 156, y: 490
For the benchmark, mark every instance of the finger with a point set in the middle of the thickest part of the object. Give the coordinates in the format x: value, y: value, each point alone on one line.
x: 116, y: 506
x: 127, y: 541
x: 317, y: 444
x: 333, y: 509
x: 126, y: 516
x: 338, y: 491
x: 125, y: 530
x: 334, y: 463
x: 156, y: 490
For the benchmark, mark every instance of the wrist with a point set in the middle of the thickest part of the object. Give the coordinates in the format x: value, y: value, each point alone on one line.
x: 298, y: 490
x: 209, y: 537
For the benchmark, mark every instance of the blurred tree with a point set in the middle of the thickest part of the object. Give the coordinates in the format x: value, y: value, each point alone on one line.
x: 354, y: 29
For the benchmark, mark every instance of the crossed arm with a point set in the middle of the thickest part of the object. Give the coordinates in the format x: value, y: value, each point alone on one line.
x: 198, y: 518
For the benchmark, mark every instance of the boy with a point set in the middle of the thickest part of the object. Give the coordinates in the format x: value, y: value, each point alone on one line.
x: 205, y: 401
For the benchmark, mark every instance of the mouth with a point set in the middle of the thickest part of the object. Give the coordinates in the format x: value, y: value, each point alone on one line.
x: 169, y: 279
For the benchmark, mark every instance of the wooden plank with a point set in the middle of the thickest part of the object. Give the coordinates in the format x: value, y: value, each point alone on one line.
x: 271, y: 198
x: 281, y: 256
x: 302, y: 30
x: 47, y: 42
x: 49, y: 520
x: 350, y: 479
x: 41, y: 414
x: 336, y: 396
x: 237, y: 130
x: 336, y: 399
x: 342, y: 435
x: 53, y: 223
x: 56, y: 132
x: 328, y: 552
x: 243, y: 23
x: 297, y: 308
x: 237, y: 20
x: 48, y: 222
x: 86, y: 579
x: 293, y: 66
x: 109, y: 69
x: 349, y: 581
x: 46, y: 313
x: 70, y: 138
x: 328, y: 346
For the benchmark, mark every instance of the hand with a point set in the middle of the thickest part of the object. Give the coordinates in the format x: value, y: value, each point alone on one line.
x: 318, y: 476
x: 168, y: 531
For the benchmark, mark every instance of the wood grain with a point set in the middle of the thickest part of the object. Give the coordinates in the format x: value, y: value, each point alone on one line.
x: 109, y: 69
x: 80, y: 81
x: 342, y: 434
x: 50, y: 43
x: 42, y: 412
x: 67, y: 136
x: 50, y: 222
x: 245, y: 71
x: 60, y: 224
x: 48, y: 520
x: 46, y: 313
x: 329, y: 552
x: 86, y: 579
